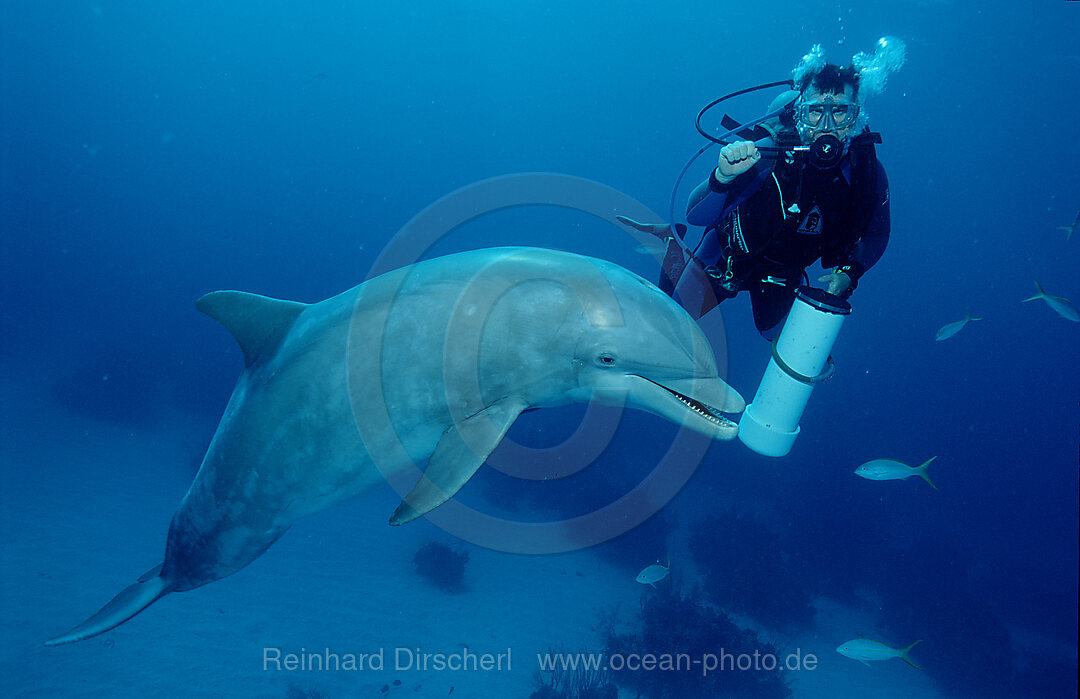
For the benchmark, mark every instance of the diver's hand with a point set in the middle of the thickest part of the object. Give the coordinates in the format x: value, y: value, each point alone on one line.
x: 735, y: 159
x: 838, y: 282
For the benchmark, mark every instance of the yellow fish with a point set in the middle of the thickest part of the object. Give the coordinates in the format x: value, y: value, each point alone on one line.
x: 864, y: 649
x: 891, y: 470
x: 1071, y: 229
x: 950, y: 329
x: 1061, y: 305
x: 653, y: 574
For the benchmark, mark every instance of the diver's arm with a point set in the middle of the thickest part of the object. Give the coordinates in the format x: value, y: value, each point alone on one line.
x: 869, y: 248
x: 706, y: 204
x: 731, y: 182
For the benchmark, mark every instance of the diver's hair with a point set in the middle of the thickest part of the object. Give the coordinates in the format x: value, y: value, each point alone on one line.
x: 867, y: 74
x: 830, y: 79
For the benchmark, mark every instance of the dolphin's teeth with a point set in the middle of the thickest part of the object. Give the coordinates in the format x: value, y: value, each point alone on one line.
x: 702, y: 410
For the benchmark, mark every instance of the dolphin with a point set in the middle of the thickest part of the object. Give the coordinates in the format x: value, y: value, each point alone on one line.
x: 433, y: 362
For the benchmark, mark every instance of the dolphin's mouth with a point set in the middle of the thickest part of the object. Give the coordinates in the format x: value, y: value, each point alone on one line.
x: 706, y: 411
x: 703, y: 409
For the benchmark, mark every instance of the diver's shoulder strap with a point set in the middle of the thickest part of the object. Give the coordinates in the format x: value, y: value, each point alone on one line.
x: 864, y: 172
x: 867, y: 137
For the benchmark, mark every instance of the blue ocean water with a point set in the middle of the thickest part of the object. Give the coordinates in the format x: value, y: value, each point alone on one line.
x: 153, y: 153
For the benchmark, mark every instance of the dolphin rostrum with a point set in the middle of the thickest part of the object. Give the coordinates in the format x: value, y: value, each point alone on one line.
x: 433, y: 362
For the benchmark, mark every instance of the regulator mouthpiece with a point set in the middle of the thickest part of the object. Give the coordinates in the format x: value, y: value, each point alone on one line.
x: 826, y: 151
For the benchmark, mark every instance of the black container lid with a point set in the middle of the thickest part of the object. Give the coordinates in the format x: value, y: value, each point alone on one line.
x: 823, y: 300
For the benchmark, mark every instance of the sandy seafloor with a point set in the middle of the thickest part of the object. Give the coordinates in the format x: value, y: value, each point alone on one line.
x: 341, y: 580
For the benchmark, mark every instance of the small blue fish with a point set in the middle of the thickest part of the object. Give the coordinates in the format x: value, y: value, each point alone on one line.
x: 891, y: 470
x: 864, y: 649
x: 1070, y: 229
x: 1061, y: 305
x: 654, y: 573
x: 950, y: 329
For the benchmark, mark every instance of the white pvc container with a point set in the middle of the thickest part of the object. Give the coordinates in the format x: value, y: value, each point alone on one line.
x: 770, y: 423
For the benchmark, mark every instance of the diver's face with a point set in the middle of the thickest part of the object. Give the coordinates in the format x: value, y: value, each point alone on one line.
x: 819, y: 113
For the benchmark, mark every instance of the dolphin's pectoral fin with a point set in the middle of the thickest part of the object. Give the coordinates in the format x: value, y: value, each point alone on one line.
x: 459, y: 453
x: 125, y: 605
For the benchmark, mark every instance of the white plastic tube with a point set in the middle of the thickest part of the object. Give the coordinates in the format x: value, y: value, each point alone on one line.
x: 800, y: 360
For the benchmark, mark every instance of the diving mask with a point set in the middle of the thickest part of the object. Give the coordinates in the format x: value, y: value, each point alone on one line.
x: 828, y: 115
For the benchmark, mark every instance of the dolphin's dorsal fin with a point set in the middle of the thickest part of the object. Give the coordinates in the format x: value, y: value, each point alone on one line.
x: 257, y: 322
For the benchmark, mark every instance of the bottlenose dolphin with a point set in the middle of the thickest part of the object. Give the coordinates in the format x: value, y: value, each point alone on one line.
x: 432, y: 361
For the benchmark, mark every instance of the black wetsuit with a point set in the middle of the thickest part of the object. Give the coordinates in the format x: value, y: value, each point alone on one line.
x: 770, y: 223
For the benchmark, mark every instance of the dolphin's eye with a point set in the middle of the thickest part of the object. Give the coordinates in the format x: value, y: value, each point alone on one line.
x: 605, y: 359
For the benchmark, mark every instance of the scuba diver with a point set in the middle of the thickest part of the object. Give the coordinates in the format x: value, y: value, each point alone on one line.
x: 824, y: 195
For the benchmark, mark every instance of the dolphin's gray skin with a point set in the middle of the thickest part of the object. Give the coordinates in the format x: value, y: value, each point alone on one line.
x: 433, y: 360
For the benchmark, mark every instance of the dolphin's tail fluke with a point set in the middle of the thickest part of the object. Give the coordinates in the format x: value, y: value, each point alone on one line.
x: 125, y: 605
